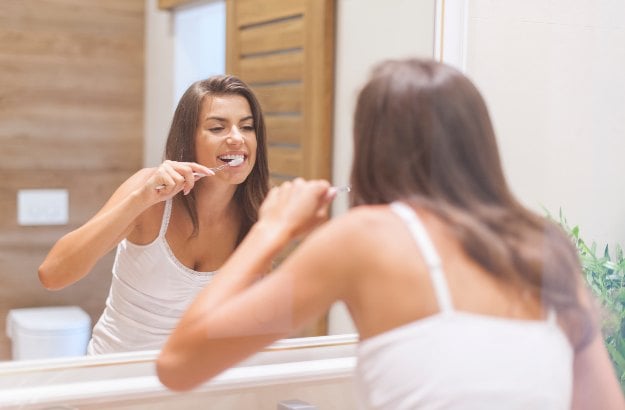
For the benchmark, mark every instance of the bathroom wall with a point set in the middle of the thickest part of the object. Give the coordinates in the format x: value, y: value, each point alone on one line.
x: 369, y: 31
x: 71, y: 117
x: 551, y: 72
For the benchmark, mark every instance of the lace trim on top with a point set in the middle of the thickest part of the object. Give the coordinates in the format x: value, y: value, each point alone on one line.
x: 170, y: 253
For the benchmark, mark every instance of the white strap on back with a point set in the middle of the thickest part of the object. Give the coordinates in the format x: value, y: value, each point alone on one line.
x: 165, y: 220
x: 432, y: 260
x: 552, y: 316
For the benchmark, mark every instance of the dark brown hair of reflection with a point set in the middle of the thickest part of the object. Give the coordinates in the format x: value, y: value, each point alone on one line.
x: 422, y: 134
x: 180, y: 145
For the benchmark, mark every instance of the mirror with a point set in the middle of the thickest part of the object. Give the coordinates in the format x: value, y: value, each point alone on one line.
x: 550, y: 75
x: 127, y: 380
x: 94, y: 88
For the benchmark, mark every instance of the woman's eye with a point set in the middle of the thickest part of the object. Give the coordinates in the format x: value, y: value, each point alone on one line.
x: 248, y: 127
x: 216, y: 129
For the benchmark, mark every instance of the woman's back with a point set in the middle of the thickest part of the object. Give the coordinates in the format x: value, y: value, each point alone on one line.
x: 424, y: 345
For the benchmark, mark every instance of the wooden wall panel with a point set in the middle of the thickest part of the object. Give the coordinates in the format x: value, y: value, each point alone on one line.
x: 251, y: 12
x: 71, y: 117
x: 285, y: 129
x: 287, y: 97
x: 282, y: 35
x: 319, y: 90
x: 284, y: 49
x: 274, y: 68
x: 285, y: 161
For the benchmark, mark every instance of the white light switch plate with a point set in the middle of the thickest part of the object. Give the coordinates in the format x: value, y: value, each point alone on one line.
x: 42, y: 206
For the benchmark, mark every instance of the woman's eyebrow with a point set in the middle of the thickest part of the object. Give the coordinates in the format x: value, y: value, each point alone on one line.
x: 214, y: 117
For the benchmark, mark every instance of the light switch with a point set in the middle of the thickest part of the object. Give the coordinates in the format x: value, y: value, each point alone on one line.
x: 42, y: 206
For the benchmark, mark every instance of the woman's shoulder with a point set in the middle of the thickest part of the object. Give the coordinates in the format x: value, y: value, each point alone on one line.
x: 358, y: 217
x: 376, y: 217
x: 374, y: 225
x: 358, y: 226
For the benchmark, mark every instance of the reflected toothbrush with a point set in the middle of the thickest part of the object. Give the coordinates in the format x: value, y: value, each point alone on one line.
x: 197, y: 175
x: 342, y: 188
x: 334, y: 190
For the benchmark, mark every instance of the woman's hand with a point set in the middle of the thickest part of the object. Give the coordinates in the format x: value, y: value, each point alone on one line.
x: 172, y: 177
x: 297, y: 206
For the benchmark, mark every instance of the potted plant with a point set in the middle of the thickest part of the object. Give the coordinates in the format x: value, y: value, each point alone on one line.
x: 605, y: 274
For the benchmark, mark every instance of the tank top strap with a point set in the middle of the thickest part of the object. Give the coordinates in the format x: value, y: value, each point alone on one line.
x: 552, y: 316
x: 428, y: 251
x: 165, y: 220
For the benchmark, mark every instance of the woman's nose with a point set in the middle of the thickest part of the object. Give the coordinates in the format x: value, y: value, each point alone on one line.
x: 235, y: 137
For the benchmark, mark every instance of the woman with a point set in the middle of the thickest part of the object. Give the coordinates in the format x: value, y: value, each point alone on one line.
x: 175, y: 225
x: 461, y: 296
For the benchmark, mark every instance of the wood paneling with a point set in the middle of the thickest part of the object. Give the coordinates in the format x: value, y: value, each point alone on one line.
x: 249, y: 12
x: 283, y: 35
x: 285, y: 129
x: 287, y: 97
x: 273, y: 68
x: 170, y: 4
x: 285, y: 50
x: 319, y: 89
x: 71, y: 117
x: 285, y: 161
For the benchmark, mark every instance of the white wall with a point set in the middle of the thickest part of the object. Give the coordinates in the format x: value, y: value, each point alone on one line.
x: 159, y: 84
x: 368, y: 31
x: 551, y: 72
x: 199, y: 44
x: 181, y: 47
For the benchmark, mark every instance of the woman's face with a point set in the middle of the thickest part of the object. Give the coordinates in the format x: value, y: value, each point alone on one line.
x: 226, y: 132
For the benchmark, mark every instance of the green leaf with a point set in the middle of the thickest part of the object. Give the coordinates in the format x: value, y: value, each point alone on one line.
x: 617, y: 359
x: 605, y: 276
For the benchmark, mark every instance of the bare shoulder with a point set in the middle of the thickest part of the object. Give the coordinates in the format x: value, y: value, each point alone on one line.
x: 356, y: 223
x: 349, y: 239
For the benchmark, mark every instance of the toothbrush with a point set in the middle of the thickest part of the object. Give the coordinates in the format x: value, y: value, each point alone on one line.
x: 334, y: 190
x: 343, y: 188
x: 197, y: 175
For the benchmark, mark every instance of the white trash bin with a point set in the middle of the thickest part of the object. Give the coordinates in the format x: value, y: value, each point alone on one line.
x: 46, y: 332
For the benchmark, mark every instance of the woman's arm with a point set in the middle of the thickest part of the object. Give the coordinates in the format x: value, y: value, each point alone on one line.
x: 237, y: 315
x: 594, y: 383
x: 75, y: 254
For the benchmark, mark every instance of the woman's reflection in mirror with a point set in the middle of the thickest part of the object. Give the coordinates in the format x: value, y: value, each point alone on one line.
x: 176, y: 224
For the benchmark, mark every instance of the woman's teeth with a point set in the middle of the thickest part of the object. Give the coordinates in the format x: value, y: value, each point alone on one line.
x: 232, y: 160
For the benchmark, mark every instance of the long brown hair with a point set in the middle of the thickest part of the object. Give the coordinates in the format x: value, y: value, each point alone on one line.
x: 422, y: 134
x: 180, y: 145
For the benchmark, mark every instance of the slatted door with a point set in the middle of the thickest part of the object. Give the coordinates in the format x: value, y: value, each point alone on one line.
x: 284, y: 49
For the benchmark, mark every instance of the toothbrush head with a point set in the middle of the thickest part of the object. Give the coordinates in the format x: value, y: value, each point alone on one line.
x: 235, y: 162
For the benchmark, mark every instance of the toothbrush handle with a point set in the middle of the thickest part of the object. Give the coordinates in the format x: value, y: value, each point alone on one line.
x: 196, y: 175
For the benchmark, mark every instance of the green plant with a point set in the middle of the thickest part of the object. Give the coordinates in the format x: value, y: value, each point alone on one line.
x: 605, y: 275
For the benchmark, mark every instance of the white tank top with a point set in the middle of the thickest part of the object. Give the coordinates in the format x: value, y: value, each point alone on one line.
x: 150, y: 291
x: 461, y: 360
